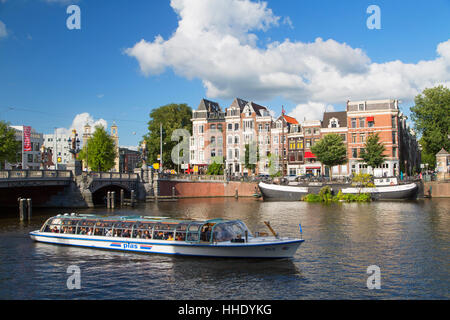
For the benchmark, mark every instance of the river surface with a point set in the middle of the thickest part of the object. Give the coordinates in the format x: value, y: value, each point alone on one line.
x: 408, y: 241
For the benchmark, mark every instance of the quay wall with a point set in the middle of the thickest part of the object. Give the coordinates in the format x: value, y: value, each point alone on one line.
x: 438, y: 189
x: 203, y: 189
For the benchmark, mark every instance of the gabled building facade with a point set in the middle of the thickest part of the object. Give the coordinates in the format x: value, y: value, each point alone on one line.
x: 336, y: 123
x: 286, y: 143
x: 247, y: 123
x: 207, y: 141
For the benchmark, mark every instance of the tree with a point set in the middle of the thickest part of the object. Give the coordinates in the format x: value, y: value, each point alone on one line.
x: 331, y: 151
x: 373, y: 154
x: 99, y: 150
x: 431, y: 115
x: 172, y: 117
x: 215, y: 169
x: 9, y: 146
x: 249, y: 160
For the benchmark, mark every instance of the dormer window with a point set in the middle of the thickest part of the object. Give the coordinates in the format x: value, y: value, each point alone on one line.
x: 334, y: 123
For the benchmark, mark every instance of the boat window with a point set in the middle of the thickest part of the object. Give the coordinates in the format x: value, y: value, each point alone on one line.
x: 143, y: 230
x: 69, y: 226
x: 193, y: 233
x: 122, y: 229
x: 164, y: 231
x: 180, y: 233
x: 205, y: 235
x: 55, y: 225
x: 229, y: 231
x: 86, y: 227
x: 46, y: 226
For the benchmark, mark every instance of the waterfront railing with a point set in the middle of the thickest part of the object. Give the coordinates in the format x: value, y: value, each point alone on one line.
x: 111, y: 175
x: 35, y: 174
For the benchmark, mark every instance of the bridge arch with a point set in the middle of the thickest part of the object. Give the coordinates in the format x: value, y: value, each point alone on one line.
x: 99, y: 193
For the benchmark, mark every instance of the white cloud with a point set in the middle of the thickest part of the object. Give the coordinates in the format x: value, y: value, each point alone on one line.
x: 80, y: 121
x: 310, y: 111
x: 3, y: 31
x: 215, y: 42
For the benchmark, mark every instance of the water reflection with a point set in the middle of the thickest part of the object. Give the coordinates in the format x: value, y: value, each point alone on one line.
x: 408, y: 240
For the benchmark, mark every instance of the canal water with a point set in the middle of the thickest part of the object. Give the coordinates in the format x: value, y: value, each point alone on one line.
x: 408, y: 241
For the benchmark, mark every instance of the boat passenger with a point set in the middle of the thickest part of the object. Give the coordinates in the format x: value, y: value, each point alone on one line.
x: 206, y: 234
x: 108, y: 233
x: 126, y: 234
x: 170, y: 237
x: 90, y: 232
x: 179, y: 237
x: 147, y: 235
x: 139, y: 234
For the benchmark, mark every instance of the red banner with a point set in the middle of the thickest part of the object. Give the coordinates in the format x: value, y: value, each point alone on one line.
x: 27, y: 138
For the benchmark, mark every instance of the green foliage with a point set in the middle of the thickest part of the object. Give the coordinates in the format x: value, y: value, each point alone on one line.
x: 276, y: 174
x: 249, y: 160
x: 330, y: 150
x: 99, y: 151
x: 431, y: 115
x: 312, y: 197
x: 429, y: 158
x: 172, y: 116
x: 326, y: 196
x: 215, y: 169
x: 373, y: 154
x: 362, y: 197
x: 363, y: 180
x: 9, y: 146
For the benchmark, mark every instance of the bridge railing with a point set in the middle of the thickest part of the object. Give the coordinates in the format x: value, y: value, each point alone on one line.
x: 111, y: 175
x: 35, y: 174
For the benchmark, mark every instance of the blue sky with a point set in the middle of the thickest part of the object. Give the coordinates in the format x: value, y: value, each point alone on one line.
x: 49, y: 74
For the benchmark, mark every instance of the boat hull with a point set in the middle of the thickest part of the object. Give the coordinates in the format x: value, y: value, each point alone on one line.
x: 272, y: 192
x: 397, y: 192
x: 263, y: 248
x: 293, y: 193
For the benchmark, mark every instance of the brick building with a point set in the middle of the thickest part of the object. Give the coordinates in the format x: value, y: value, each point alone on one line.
x: 207, y: 141
x: 365, y: 118
x: 247, y: 123
x: 217, y: 133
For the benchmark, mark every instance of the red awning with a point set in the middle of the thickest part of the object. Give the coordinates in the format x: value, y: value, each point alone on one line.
x: 370, y: 119
x: 309, y: 155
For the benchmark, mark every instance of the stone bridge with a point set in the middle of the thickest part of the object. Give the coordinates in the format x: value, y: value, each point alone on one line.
x: 61, y: 188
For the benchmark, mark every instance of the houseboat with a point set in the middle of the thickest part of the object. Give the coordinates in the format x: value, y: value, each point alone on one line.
x: 386, y: 188
x: 209, y: 238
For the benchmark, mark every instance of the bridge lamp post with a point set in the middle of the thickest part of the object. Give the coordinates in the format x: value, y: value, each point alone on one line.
x: 44, y: 156
x: 74, y: 144
x: 143, y: 150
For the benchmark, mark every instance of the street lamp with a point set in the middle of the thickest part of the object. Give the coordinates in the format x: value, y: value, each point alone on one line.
x: 44, y: 156
x: 74, y: 144
x: 143, y: 150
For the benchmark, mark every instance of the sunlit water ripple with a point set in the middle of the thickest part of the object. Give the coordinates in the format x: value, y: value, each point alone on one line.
x: 409, y: 241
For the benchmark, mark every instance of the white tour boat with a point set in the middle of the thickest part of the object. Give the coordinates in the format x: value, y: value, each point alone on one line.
x: 210, y: 238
